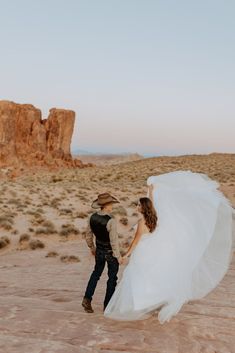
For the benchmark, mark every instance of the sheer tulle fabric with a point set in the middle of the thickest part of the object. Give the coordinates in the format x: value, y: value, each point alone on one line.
x: 185, y: 257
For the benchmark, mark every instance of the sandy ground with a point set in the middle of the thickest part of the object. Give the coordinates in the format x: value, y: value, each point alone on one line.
x: 42, y: 289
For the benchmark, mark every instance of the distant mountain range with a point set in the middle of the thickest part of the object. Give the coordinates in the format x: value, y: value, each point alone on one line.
x: 105, y: 158
x: 80, y: 152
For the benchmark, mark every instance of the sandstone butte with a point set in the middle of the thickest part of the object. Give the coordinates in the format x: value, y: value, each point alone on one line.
x: 27, y: 140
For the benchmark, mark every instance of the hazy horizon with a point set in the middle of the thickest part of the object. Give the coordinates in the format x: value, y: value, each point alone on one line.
x: 81, y: 152
x: 153, y: 77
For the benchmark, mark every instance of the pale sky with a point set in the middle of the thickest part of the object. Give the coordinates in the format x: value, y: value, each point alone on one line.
x: 147, y: 76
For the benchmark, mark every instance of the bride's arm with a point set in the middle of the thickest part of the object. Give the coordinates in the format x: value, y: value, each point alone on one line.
x: 136, y: 239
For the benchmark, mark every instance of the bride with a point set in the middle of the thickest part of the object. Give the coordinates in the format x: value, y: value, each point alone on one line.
x: 181, y: 250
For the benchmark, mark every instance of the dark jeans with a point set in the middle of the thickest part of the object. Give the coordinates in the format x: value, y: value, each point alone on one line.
x: 101, y: 257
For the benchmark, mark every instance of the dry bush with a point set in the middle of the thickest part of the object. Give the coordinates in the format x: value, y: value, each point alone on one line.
x: 65, y: 211
x: 14, y: 202
x: 124, y: 198
x: 84, y: 198
x: 52, y: 254
x: 56, y: 179
x: 24, y: 237
x: 45, y: 230
x: 71, y: 258
x: 4, y: 241
x: 67, y: 229
x: 33, y: 213
x: 82, y: 215
x: 15, y: 231
x: 49, y: 226
x: 133, y: 203
x: 36, y: 244
x: 40, y: 210
x: 6, y: 222
x: 55, y: 202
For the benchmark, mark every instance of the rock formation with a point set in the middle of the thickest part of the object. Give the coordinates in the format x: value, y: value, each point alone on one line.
x: 26, y: 139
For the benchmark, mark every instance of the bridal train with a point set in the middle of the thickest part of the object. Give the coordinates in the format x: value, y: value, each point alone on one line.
x: 185, y: 257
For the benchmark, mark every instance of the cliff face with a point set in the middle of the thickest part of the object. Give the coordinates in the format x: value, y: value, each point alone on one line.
x: 27, y: 139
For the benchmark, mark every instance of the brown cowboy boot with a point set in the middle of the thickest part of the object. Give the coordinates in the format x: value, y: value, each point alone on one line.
x: 86, y: 303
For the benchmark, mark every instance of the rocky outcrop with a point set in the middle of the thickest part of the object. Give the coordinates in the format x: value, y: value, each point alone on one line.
x: 27, y: 139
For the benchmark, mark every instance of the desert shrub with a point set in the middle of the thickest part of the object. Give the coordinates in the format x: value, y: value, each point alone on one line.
x: 48, y: 224
x: 52, y: 254
x: 133, y: 203
x: 6, y: 222
x: 65, y: 211
x: 71, y: 258
x: 67, y: 229
x: 83, y: 198
x: 6, y: 218
x: 123, y: 198
x: 45, y: 230
x: 36, y: 244
x: 14, y: 231
x: 3, y: 244
x: 55, y: 202
x: 39, y: 210
x: 31, y: 212
x: 55, y: 179
x: 24, y: 237
x: 82, y: 214
x: 4, y: 241
x: 14, y: 201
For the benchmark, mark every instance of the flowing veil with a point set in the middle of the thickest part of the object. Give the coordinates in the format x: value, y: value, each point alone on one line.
x: 198, y: 221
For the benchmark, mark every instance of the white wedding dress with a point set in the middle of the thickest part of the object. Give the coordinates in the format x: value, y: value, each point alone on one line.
x: 185, y: 257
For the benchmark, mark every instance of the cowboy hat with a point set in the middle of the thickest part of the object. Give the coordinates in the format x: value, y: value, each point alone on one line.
x: 103, y: 199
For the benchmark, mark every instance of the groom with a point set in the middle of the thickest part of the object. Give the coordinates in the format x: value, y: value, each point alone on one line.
x: 103, y: 226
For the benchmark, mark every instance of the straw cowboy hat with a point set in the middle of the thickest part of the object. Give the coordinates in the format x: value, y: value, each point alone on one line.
x: 103, y: 199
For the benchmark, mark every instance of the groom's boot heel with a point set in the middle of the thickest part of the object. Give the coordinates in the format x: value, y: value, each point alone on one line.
x: 86, y: 303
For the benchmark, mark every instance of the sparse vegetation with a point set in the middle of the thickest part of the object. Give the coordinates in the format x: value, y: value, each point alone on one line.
x: 82, y: 215
x: 37, y: 204
x: 36, y: 244
x: 67, y: 229
x: 24, y: 237
x: 4, y: 241
x: 71, y: 258
x: 52, y: 254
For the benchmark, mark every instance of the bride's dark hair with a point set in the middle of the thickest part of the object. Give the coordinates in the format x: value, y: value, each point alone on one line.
x: 149, y: 213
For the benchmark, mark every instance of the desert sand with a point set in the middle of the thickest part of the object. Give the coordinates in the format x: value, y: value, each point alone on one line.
x: 45, y: 264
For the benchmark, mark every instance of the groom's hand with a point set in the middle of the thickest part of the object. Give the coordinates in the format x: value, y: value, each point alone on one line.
x: 124, y: 259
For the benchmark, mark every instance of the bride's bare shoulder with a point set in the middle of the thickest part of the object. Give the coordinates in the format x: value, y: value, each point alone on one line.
x: 141, y: 223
